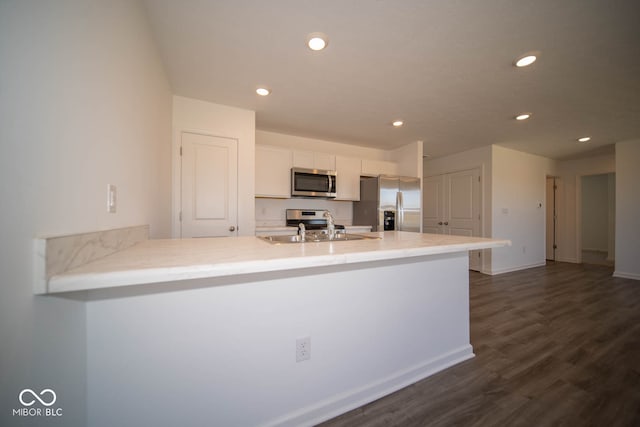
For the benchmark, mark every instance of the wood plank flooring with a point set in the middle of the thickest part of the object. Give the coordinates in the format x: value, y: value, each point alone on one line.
x: 555, y: 346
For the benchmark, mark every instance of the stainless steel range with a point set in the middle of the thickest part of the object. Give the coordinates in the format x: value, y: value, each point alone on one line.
x: 313, y: 219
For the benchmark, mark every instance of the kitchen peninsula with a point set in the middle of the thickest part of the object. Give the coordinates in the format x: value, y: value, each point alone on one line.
x: 212, y: 327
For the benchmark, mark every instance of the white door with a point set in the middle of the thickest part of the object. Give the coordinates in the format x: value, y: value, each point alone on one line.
x: 452, y: 206
x: 462, y: 210
x: 209, y: 186
x: 433, y: 209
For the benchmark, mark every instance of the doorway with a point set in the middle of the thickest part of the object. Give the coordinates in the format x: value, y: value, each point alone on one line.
x: 597, y: 228
x: 551, y: 220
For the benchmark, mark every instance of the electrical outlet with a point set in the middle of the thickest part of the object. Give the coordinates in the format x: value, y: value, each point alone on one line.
x: 111, y: 198
x: 303, y: 349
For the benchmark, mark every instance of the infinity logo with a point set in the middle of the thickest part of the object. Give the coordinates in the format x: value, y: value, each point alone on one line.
x: 33, y: 393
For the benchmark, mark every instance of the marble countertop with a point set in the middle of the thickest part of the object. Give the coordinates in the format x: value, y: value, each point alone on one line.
x: 170, y: 260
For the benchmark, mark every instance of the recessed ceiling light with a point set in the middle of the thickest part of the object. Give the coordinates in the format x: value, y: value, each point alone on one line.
x: 398, y: 123
x: 263, y: 91
x: 525, y: 61
x: 317, y: 41
x: 523, y: 116
x: 584, y: 139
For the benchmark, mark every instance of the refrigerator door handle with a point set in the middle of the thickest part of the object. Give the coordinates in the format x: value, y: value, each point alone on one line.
x: 400, y: 210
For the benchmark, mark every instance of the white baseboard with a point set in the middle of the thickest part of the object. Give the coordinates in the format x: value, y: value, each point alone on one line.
x: 512, y: 269
x: 351, y: 399
x: 571, y: 260
x: 625, y: 275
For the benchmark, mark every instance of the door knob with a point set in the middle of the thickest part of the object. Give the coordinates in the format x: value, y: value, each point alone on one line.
x: 440, y: 223
x: 232, y: 228
x: 446, y: 223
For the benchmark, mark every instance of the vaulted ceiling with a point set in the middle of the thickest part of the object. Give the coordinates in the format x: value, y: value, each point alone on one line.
x: 445, y: 67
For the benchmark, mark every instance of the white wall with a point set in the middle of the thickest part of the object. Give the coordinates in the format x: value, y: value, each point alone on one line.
x: 518, y: 208
x: 409, y: 159
x: 218, y: 120
x: 611, y: 225
x: 570, y: 173
x: 84, y: 103
x: 595, y: 212
x: 627, y: 209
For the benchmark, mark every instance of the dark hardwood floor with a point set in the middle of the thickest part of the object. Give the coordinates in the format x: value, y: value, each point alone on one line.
x: 555, y: 346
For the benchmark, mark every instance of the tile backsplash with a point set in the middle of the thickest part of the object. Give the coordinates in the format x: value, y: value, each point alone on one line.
x: 271, y: 212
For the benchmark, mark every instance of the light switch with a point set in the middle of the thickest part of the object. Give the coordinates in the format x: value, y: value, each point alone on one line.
x: 111, y: 198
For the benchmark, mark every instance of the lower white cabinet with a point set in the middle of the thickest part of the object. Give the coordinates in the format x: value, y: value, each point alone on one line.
x: 278, y: 232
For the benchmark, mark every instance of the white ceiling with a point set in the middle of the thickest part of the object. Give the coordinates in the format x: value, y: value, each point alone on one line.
x: 443, y: 66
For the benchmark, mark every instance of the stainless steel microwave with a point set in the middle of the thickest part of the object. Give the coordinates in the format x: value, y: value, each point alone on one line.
x: 313, y: 183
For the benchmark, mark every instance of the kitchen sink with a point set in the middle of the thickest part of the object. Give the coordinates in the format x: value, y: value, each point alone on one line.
x: 315, y: 237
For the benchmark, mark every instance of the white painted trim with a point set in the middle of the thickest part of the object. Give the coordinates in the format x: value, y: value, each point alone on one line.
x: 625, y: 275
x: 349, y: 400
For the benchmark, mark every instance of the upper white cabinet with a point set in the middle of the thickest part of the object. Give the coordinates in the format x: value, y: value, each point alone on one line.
x: 273, y: 172
x: 313, y: 160
x: 348, y: 169
x: 379, y: 167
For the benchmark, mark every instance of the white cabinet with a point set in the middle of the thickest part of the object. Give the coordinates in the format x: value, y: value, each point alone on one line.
x: 313, y: 160
x: 273, y: 172
x: 303, y: 159
x: 379, y: 167
x: 348, y: 169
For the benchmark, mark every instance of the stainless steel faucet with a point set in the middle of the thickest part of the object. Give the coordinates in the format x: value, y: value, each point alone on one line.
x: 302, y: 231
x: 331, y: 227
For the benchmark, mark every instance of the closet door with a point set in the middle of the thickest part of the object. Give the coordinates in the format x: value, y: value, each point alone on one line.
x: 433, y: 204
x: 462, y: 205
x: 452, y: 206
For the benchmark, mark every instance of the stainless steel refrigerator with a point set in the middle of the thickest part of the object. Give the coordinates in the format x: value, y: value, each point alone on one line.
x: 389, y: 203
